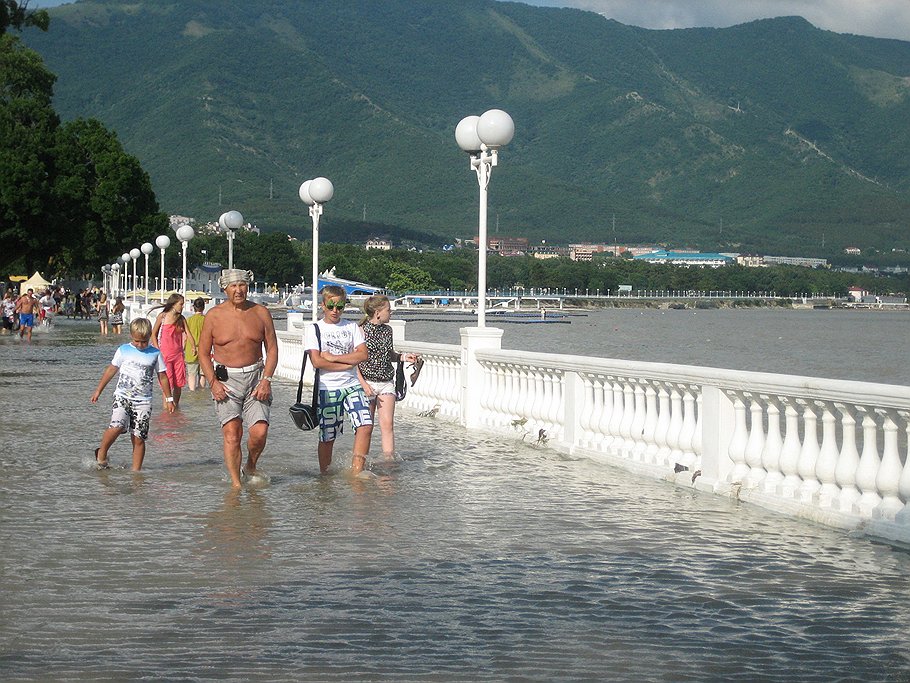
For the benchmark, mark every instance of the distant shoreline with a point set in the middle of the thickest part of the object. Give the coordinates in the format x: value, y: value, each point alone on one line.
x: 584, y: 305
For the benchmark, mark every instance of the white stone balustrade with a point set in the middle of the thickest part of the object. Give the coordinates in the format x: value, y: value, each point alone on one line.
x: 827, y: 450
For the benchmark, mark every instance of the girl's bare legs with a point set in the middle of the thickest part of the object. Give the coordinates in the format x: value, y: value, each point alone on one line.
x: 386, y: 409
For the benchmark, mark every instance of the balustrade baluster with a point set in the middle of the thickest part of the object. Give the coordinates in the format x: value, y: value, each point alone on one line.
x: 536, y: 409
x: 662, y: 456
x: 808, y: 455
x: 487, y: 394
x: 525, y: 393
x: 867, y: 470
x: 737, y: 447
x: 590, y: 413
x: 448, y: 372
x: 687, y: 433
x: 625, y: 427
x: 826, y: 466
x: 770, y: 455
x: 697, y: 438
x: 616, y: 417
x: 605, y: 438
x: 638, y: 422
x: 889, y: 472
x: 430, y: 378
x: 676, y: 423
x: 789, y: 454
x: 847, y: 461
x: 650, y: 427
x: 515, y: 393
x: 558, y: 415
x: 501, y: 396
x: 903, y: 486
x: 755, y: 444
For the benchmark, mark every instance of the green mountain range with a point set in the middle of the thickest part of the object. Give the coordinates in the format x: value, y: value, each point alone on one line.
x: 771, y: 136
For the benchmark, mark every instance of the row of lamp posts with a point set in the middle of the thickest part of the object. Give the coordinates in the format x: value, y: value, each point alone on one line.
x: 184, y: 233
x: 479, y: 136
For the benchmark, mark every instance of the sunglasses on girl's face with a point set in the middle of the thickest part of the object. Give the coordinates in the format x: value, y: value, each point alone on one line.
x: 337, y: 305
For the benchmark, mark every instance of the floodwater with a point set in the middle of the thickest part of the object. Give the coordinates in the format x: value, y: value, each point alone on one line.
x: 861, y: 345
x: 472, y: 557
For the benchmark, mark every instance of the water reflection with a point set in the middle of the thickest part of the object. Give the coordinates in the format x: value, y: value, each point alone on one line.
x: 234, y: 539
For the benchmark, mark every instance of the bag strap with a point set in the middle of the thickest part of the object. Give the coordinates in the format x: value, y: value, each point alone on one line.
x: 302, y: 368
x: 316, y: 375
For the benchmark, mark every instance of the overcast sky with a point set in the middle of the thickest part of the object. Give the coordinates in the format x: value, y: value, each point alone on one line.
x: 879, y: 18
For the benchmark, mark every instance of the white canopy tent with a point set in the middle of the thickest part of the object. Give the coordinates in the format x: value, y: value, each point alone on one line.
x: 36, y: 283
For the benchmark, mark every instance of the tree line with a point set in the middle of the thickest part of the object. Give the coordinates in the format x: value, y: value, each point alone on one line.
x: 68, y: 191
x: 274, y: 257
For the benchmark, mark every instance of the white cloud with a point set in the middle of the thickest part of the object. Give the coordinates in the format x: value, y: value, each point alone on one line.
x: 879, y: 18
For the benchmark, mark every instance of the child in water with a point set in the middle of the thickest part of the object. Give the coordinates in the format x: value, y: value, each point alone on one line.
x: 170, y: 335
x: 336, y: 353
x: 137, y: 363
x: 377, y: 374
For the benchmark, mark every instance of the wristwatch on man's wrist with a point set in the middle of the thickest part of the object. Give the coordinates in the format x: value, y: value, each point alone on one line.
x: 266, y: 379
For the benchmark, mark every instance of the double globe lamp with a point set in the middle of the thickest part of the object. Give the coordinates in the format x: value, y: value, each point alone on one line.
x: 481, y: 137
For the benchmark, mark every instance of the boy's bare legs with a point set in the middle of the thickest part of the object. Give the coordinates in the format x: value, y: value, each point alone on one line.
x: 255, y: 444
x: 361, y: 447
x: 325, y: 455
x: 107, y: 440
x: 138, y: 452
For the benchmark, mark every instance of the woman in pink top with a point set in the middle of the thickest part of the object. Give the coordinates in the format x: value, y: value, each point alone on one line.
x: 169, y: 335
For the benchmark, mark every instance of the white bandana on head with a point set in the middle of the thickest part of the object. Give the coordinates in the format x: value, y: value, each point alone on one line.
x: 229, y: 277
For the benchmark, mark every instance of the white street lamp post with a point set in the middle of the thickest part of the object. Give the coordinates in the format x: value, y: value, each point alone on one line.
x: 147, y: 249
x: 481, y: 137
x: 315, y: 193
x: 230, y: 222
x: 134, y: 256
x: 162, y: 242
x: 115, y: 279
x: 125, y: 258
x: 184, y: 233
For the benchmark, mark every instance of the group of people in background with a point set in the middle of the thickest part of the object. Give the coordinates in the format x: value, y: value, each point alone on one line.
x: 23, y: 312
x: 234, y: 351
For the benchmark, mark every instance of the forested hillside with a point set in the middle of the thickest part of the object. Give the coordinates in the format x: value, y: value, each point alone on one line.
x: 772, y: 136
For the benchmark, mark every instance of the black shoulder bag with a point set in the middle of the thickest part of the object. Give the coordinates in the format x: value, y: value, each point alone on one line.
x: 306, y: 417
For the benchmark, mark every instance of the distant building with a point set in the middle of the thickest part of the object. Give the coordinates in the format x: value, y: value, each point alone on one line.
x: 853, y: 251
x: 638, y: 250
x: 548, y: 251
x: 379, y: 243
x: 856, y: 293
x: 750, y: 260
x: 803, y: 261
x: 508, y: 246
x: 680, y: 258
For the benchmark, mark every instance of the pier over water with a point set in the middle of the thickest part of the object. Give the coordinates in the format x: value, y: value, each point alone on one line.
x: 479, y: 554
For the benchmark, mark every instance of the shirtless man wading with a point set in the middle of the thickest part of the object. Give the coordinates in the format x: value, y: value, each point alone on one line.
x: 234, y: 333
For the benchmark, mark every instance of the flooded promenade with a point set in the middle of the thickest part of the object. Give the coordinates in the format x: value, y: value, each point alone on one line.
x: 472, y: 557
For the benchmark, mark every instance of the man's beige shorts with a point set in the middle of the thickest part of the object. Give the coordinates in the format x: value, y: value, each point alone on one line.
x: 240, y: 402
